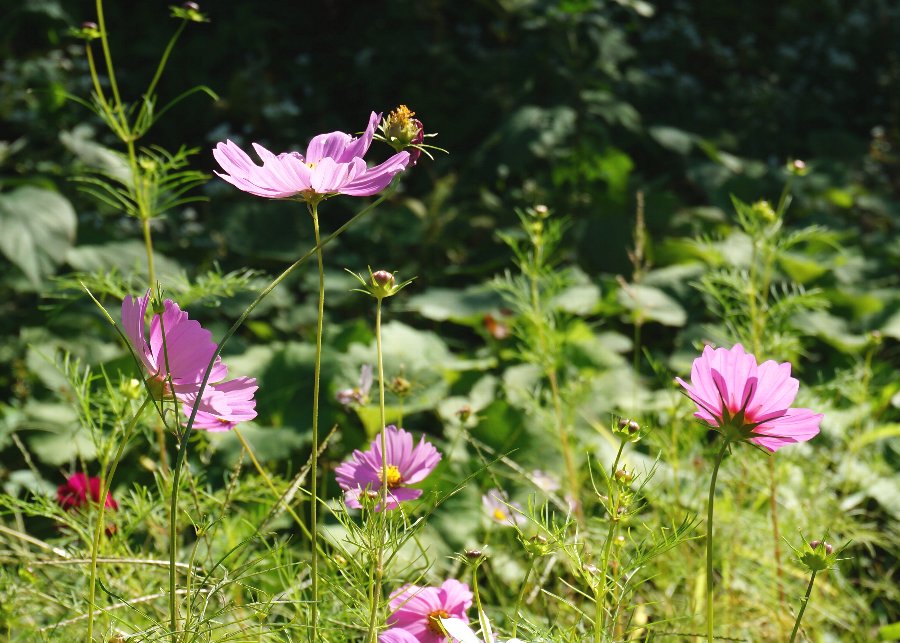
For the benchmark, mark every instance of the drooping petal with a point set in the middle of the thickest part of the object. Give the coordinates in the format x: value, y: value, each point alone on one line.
x: 796, y: 425
x: 377, y: 178
x: 133, y: 311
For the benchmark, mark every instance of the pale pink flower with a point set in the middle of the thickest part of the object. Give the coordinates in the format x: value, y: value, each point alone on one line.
x: 748, y: 401
x: 500, y: 510
x: 407, y: 463
x: 418, y: 610
x: 397, y: 635
x: 333, y: 164
x: 182, y: 359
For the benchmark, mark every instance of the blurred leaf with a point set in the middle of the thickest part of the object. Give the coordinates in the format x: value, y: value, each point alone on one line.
x: 126, y: 257
x: 672, y: 138
x: 651, y: 304
x: 60, y: 437
x: 38, y: 227
x: 467, y: 306
x: 800, y: 268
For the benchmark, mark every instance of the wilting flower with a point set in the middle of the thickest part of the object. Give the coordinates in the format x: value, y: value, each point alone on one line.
x: 407, y: 463
x: 175, y: 367
x: 333, y: 164
x: 360, y: 394
x: 401, y: 130
x: 79, y: 490
x: 419, y: 610
x: 499, y: 508
x: 749, y: 402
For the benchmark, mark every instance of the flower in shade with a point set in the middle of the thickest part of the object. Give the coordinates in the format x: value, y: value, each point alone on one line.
x: 333, y: 164
x: 419, y: 610
x: 407, y: 463
x: 175, y: 367
x: 360, y: 394
x: 749, y: 401
x: 500, y: 510
x: 79, y: 490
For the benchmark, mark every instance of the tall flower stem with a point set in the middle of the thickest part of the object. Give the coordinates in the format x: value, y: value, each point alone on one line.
x: 314, y: 469
x: 805, y: 602
x: 186, y: 434
x: 521, y: 596
x: 600, y: 623
x: 709, y: 542
x: 106, y: 483
x: 375, y: 598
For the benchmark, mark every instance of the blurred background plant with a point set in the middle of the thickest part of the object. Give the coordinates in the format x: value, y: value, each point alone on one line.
x: 575, y: 105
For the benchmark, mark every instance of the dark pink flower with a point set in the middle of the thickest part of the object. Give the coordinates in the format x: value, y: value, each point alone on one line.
x: 407, y: 463
x: 747, y: 401
x: 75, y: 491
x: 183, y: 358
x: 418, y: 609
x: 333, y: 164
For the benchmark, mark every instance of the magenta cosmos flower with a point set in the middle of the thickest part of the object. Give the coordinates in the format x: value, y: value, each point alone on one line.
x: 407, y: 463
x: 184, y: 357
x: 418, y: 610
x: 79, y: 490
x: 333, y: 164
x: 749, y: 402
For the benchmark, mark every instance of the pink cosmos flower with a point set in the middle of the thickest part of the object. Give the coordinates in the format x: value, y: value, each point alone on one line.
x: 73, y: 493
x: 407, y: 463
x: 418, y: 610
x: 183, y: 357
x: 748, y: 401
x: 333, y: 164
x: 396, y: 635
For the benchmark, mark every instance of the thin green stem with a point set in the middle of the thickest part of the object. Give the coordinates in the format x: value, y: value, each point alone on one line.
x: 314, y: 471
x: 709, y: 542
x: 186, y: 434
x: 107, y: 56
x: 106, y: 482
x: 521, y: 597
x: 600, y: 623
x: 803, y: 604
x: 375, y: 594
x: 163, y: 60
x: 148, y: 246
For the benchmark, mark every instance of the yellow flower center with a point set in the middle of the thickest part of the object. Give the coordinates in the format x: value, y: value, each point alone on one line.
x: 394, y: 477
x: 499, y: 515
x: 400, y: 116
x: 434, y: 623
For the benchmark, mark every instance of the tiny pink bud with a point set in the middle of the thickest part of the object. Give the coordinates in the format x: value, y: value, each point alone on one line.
x: 89, y: 25
x: 191, y: 5
x: 383, y: 278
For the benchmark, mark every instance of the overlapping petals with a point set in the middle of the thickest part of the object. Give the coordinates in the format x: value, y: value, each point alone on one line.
x: 175, y: 360
x: 729, y: 389
x: 333, y: 164
x: 79, y: 490
x: 407, y: 463
x: 418, y: 610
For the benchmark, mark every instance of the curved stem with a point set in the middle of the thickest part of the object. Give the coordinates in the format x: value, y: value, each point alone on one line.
x: 110, y: 72
x: 709, y: 542
x: 314, y: 471
x: 148, y: 95
x: 804, y: 603
x: 521, y: 597
x: 375, y: 594
x: 98, y: 529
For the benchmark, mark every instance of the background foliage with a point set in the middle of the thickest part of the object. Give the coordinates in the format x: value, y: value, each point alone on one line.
x: 577, y: 105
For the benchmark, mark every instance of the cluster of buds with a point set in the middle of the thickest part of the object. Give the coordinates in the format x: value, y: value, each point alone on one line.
x: 627, y: 429
x: 537, y: 546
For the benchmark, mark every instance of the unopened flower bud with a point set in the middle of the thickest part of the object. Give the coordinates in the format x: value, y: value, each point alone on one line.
x: 191, y: 5
x: 383, y: 278
x: 464, y: 413
x: 542, y: 211
x: 474, y: 554
x: 87, y: 31
x: 828, y: 548
x: 624, y: 476
x: 797, y: 167
x: 188, y: 11
x: 400, y: 386
x: 402, y: 131
x: 763, y: 210
x: 634, y: 427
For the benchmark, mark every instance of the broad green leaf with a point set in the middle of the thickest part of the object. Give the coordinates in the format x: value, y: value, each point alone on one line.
x: 38, y: 228
x: 651, y: 304
x: 466, y: 306
x: 672, y: 138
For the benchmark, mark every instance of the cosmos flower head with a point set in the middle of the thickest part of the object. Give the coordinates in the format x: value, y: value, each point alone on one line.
x: 78, y: 490
x: 333, y: 164
x: 419, y: 610
x: 175, y: 360
x: 500, y: 510
x: 748, y: 401
x: 407, y: 463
